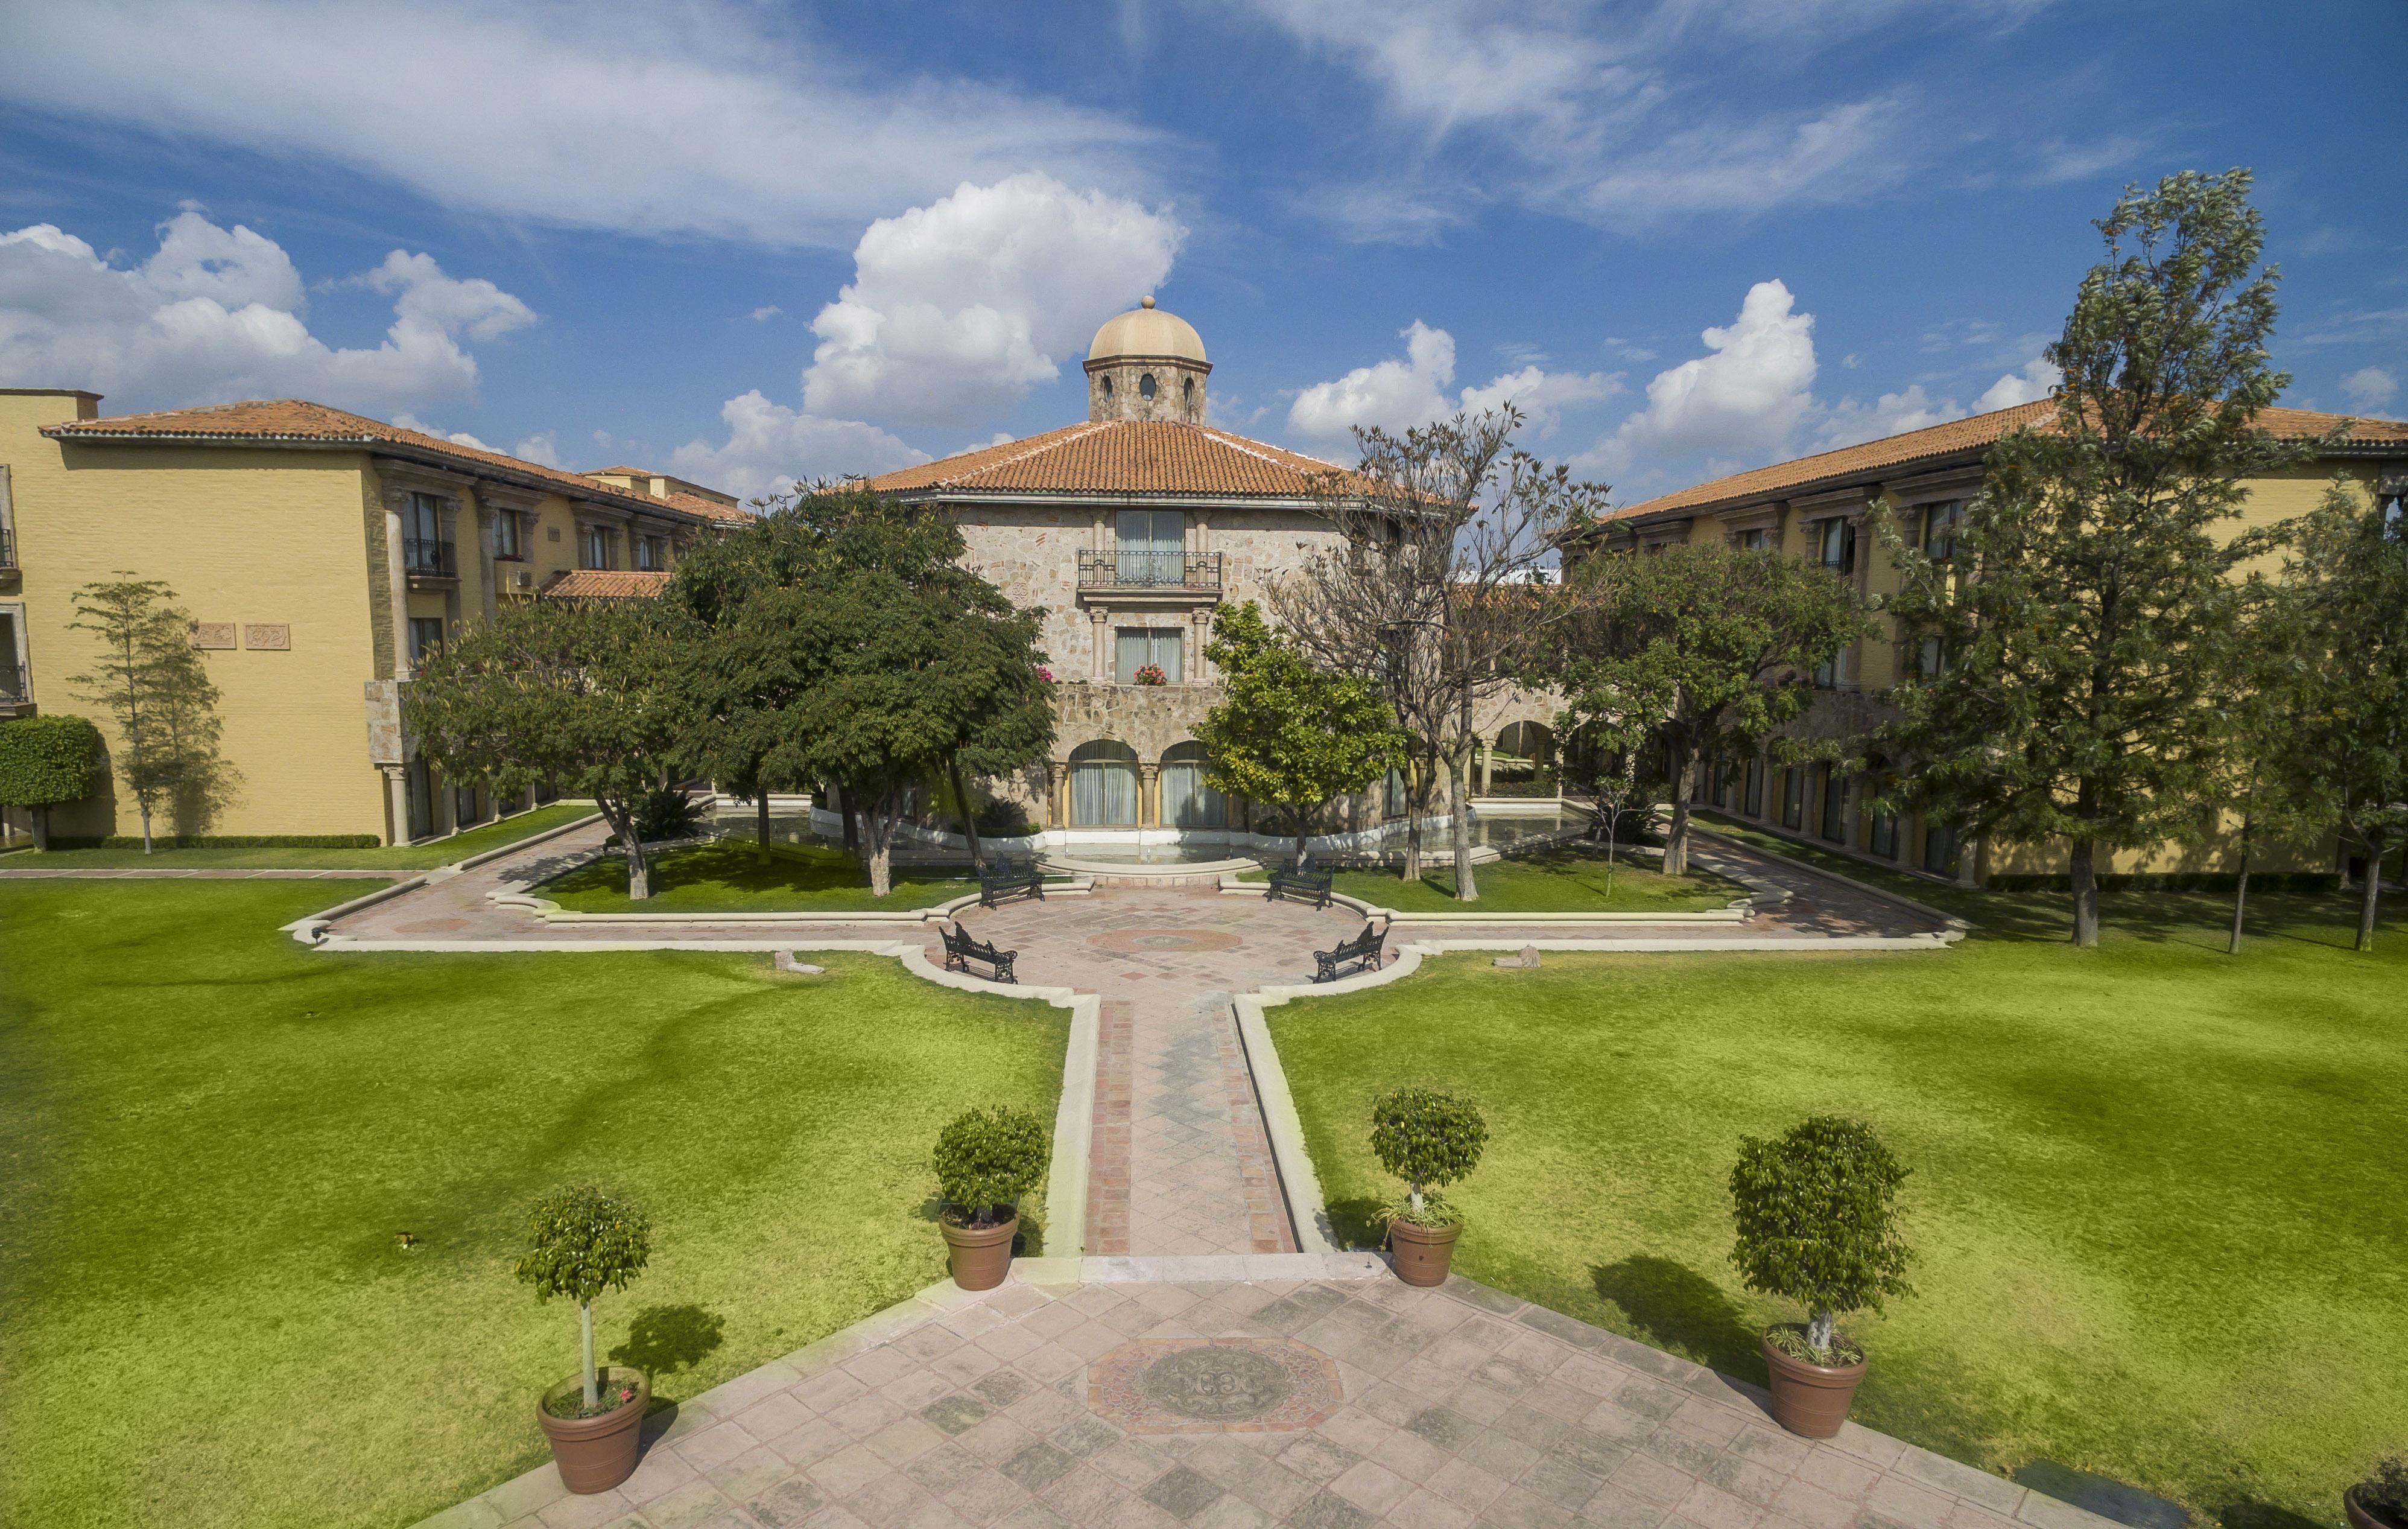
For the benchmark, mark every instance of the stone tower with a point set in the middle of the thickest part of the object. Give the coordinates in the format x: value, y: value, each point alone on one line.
x: 1147, y: 365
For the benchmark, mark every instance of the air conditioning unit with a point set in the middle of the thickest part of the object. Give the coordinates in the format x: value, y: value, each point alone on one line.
x: 524, y: 579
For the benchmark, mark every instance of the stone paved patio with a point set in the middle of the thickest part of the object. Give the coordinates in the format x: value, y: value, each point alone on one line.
x: 1457, y: 1406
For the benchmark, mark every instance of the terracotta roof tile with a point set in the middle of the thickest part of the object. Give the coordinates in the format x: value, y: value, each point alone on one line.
x: 1121, y: 457
x: 604, y: 583
x: 1928, y: 448
x: 278, y: 419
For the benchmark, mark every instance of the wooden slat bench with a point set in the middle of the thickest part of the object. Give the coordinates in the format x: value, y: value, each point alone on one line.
x: 1007, y: 878
x: 1301, y: 886
x: 960, y: 950
x: 1364, y: 948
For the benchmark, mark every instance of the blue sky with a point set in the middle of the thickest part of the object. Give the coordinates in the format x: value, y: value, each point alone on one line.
x: 752, y: 242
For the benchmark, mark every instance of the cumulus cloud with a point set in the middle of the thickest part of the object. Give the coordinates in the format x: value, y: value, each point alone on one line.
x: 543, y: 448
x: 2038, y: 378
x: 770, y: 448
x: 1747, y: 394
x: 1400, y: 392
x: 957, y: 308
x: 710, y: 118
x: 2370, y: 389
x: 219, y: 313
x: 1893, y: 414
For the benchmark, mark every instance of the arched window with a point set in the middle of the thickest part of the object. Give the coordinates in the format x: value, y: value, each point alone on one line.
x: 1108, y: 384
x: 1187, y: 392
x: 1188, y: 802
x: 1103, y: 785
x: 1145, y: 386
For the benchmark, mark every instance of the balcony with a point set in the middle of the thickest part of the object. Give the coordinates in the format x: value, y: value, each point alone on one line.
x: 429, y: 561
x: 1169, y: 576
x: 13, y: 696
x: 8, y: 549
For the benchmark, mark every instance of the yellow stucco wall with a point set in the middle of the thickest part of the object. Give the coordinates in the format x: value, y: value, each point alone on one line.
x: 248, y: 537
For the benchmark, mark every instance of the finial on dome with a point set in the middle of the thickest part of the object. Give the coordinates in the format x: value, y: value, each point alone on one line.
x: 1146, y: 301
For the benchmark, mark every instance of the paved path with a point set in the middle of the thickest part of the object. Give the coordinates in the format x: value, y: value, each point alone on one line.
x: 1319, y: 1404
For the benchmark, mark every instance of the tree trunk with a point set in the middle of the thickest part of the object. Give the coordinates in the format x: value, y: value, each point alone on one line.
x: 2369, y: 891
x: 145, y: 806
x: 1458, y: 792
x: 761, y: 823
x: 962, y: 798
x: 1416, y: 798
x: 585, y: 1327
x: 1676, y: 842
x: 2241, y: 890
x: 639, y: 870
x: 2085, y: 892
x: 1819, y: 1331
x: 878, y: 835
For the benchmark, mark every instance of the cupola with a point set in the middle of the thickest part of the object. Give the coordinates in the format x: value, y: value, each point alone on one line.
x: 1147, y: 365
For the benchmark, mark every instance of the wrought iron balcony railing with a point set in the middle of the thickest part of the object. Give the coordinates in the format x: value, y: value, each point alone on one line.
x: 12, y: 683
x: 1150, y: 570
x: 427, y: 559
x: 8, y: 547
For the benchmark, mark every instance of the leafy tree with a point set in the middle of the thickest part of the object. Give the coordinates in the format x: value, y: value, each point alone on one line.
x: 581, y: 1242
x: 1817, y: 1220
x: 1614, y: 726
x: 987, y: 1161
x: 1428, y: 1139
x: 574, y: 695
x: 45, y: 761
x: 1720, y: 643
x: 156, y: 689
x: 1440, y: 596
x: 1286, y: 733
x: 2338, y: 734
x: 2085, y: 611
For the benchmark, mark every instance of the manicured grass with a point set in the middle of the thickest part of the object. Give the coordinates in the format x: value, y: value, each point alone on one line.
x: 210, y: 1136
x: 1565, y: 879
x: 449, y: 851
x: 2158, y: 1191
x: 728, y: 875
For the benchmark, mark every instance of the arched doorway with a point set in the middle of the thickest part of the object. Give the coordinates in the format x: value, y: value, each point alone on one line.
x: 1526, y: 744
x: 1103, y: 785
x: 1188, y: 801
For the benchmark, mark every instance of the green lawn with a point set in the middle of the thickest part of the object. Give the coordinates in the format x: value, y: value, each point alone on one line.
x: 449, y: 851
x: 727, y: 875
x: 210, y: 1136
x: 2159, y: 1192
x: 1567, y: 878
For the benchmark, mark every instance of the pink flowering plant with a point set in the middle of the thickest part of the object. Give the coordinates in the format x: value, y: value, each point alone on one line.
x: 1151, y: 674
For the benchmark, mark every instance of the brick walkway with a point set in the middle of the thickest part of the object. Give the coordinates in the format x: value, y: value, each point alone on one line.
x: 1047, y: 1406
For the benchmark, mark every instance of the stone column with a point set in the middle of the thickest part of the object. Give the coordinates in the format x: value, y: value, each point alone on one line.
x: 396, y: 804
x: 1057, y: 794
x: 1099, y: 625
x: 1149, y: 795
x: 1197, y: 670
x: 486, y: 604
x: 1487, y: 765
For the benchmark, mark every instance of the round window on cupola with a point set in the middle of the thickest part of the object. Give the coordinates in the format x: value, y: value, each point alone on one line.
x: 1145, y: 386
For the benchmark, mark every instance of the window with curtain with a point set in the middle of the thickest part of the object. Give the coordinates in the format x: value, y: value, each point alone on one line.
x: 1151, y: 546
x: 1793, y: 798
x: 1835, y: 805
x: 1138, y: 646
x: 594, y: 543
x: 507, y: 536
x: 1188, y: 802
x: 1940, y: 523
x: 1835, y: 544
x: 1103, y: 785
x: 1756, y: 786
x: 1939, y: 849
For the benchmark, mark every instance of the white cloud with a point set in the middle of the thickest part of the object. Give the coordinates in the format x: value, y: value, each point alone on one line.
x: 770, y: 448
x: 1412, y: 390
x: 711, y: 117
x: 2038, y: 377
x: 542, y: 447
x: 2370, y: 389
x: 765, y: 313
x: 217, y: 314
x: 1748, y: 395
x: 1894, y: 413
x: 957, y: 308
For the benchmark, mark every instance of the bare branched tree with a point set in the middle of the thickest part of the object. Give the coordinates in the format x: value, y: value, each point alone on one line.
x: 1441, y: 593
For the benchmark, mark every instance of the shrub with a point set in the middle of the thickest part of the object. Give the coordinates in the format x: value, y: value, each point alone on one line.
x: 1004, y: 820
x: 986, y: 1161
x: 1430, y: 1140
x: 581, y: 1242
x: 45, y: 761
x: 2385, y: 1494
x: 668, y: 814
x: 1816, y: 1213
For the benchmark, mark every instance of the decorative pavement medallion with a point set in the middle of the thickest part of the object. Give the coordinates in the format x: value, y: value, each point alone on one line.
x: 1213, y: 1386
x: 1129, y: 942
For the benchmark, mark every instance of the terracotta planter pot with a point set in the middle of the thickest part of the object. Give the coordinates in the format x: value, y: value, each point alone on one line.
x: 1809, y: 1400
x: 2358, y: 1516
x: 1421, y: 1252
x: 596, y: 1454
x: 981, y: 1255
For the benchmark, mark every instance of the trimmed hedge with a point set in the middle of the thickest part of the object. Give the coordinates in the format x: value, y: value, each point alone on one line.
x: 45, y: 761
x: 2177, y: 881
x: 227, y: 841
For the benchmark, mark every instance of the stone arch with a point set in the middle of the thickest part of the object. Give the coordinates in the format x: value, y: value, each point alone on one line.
x: 1103, y: 785
x: 1188, y: 801
x: 1526, y: 741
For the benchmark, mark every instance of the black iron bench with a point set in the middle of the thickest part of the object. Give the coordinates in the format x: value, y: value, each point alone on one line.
x: 960, y: 950
x: 1364, y: 947
x: 1303, y: 886
x: 1002, y: 878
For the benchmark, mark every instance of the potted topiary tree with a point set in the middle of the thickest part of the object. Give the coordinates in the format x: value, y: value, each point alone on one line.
x: 1430, y: 1140
x: 2380, y: 1501
x: 1816, y: 1212
x: 985, y: 1161
x: 581, y: 1242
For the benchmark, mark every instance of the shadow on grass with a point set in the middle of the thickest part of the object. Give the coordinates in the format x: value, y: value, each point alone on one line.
x: 1673, y: 1307
x: 1357, y: 1224
x: 662, y: 1340
x: 2249, y: 1513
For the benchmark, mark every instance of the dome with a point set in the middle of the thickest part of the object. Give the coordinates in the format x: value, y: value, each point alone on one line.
x: 1147, y: 330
